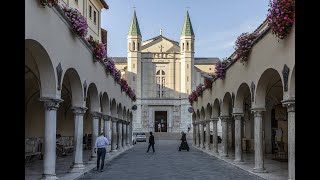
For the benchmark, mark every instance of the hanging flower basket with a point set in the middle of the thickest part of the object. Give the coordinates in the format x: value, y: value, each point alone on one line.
x: 243, y: 45
x: 48, y: 3
x: 124, y: 85
x: 99, y: 49
x: 208, y: 83
x: 79, y: 23
x: 220, y: 70
x: 281, y: 14
x: 200, y: 89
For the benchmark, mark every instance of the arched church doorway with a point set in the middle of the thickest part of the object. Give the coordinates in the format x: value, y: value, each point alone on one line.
x: 160, y: 121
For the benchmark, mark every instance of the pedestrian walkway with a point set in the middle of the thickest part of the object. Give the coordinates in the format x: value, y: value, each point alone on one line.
x: 34, y: 170
x: 167, y: 163
x: 275, y: 170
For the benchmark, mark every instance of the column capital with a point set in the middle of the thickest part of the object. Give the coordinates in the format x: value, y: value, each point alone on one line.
x: 78, y: 110
x: 50, y: 103
x: 224, y: 118
x: 114, y: 119
x: 214, y: 119
x: 258, y: 111
x: 290, y: 104
x: 106, y: 117
x: 238, y: 116
x: 96, y: 114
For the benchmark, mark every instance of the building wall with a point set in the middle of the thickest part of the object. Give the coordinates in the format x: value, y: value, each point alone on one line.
x: 208, y: 68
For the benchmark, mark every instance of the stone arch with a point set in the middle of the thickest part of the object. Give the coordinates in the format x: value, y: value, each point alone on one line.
x: 71, y: 78
x: 268, y: 79
x: 216, y: 108
x: 243, y: 93
x: 119, y: 111
x: 124, y: 113
x: 92, y: 94
x: 198, y: 115
x: 38, y: 57
x: 114, y: 108
x: 105, y: 104
x: 208, y: 111
x: 292, y: 84
x: 226, y: 105
x: 202, y: 114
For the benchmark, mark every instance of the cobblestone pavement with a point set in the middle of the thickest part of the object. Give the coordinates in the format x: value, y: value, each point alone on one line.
x: 167, y: 163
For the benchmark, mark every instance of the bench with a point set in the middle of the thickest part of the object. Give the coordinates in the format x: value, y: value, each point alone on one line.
x: 33, y: 149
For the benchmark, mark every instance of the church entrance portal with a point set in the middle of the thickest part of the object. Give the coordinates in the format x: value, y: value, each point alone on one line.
x: 160, y: 121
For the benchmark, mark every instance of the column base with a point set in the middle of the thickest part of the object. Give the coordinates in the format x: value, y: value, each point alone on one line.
x: 49, y: 177
x: 259, y: 170
x: 238, y: 161
x: 77, y: 168
x: 113, y: 150
x: 207, y: 149
x: 224, y: 155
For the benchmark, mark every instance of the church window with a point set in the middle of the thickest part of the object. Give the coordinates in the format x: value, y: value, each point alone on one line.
x: 90, y: 11
x: 187, y: 46
x: 160, y: 83
x: 182, y: 46
x: 94, y: 17
x: 133, y: 46
x: 138, y: 46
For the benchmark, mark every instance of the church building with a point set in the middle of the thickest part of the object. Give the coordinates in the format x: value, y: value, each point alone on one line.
x: 163, y: 72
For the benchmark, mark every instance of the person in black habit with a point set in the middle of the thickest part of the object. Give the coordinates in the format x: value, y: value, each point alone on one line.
x: 184, y: 145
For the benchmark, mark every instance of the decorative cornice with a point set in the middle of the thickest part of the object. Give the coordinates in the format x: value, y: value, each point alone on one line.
x: 224, y: 118
x: 214, y: 119
x: 96, y: 114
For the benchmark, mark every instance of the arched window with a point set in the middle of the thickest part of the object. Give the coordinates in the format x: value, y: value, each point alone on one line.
x: 182, y: 46
x: 187, y: 45
x: 160, y: 83
x: 133, y: 46
x: 138, y: 46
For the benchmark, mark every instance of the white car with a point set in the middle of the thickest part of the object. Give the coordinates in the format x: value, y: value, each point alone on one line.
x: 141, y: 136
x: 134, y: 138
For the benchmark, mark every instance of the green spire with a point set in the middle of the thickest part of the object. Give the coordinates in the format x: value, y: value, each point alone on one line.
x: 134, y: 27
x: 187, y: 27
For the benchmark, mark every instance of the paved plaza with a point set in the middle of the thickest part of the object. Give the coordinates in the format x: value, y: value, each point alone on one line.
x: 167, y: 163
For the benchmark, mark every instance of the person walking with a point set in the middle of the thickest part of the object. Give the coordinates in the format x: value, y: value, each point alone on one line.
x: 101, y: 145
x: 151, y: 142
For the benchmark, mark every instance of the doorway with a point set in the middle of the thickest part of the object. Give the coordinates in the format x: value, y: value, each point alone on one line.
x: 160, y: 122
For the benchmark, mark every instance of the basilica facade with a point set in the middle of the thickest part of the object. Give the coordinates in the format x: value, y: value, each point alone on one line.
x: 162, y: 73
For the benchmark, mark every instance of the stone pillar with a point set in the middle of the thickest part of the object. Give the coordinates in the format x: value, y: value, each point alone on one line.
x: 114, y: 135
x: 50, y: 123
x: 238, y: 137
x: 290, y: 104
x: 197, y: 135
x: 119, y: 142
x: 95, y: 134
x: 194, y: 134
x: 201, y: 135
x: 224, y: 123
x: 78, y: 139
x: 214, y: 135
x: 124, y: 134
x: 128, y: 134
x: 258, y: 141
x: 107, y: 130
x: 207, y: 135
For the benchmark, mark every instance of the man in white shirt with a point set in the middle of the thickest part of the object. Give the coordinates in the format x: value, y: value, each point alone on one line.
x: 101, y: 145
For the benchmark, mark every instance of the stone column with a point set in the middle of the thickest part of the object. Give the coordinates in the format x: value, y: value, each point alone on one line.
x: 224, y: 123
x: 119, y: 142
x: 201, y: 135
x: 194, y: 134
x: 114, y: 135
x: 197, y: 135
x: 50, y: 123
x: 107, y: 130
x: 207, y: 135
x: 258, y: 141
x: 214, y: 135
x: 290, y: 104
x: 95, y: 134
x: 128, y: 134
x: 78, y: 139
x: 238, y: 137
x: 124, y: 134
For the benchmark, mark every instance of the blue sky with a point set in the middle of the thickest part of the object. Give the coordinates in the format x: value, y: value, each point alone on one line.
x: 216, y: 23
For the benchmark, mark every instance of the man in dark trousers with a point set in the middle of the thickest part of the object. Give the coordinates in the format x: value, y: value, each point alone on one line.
x: 101, y: 145
x: 151, y: 142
